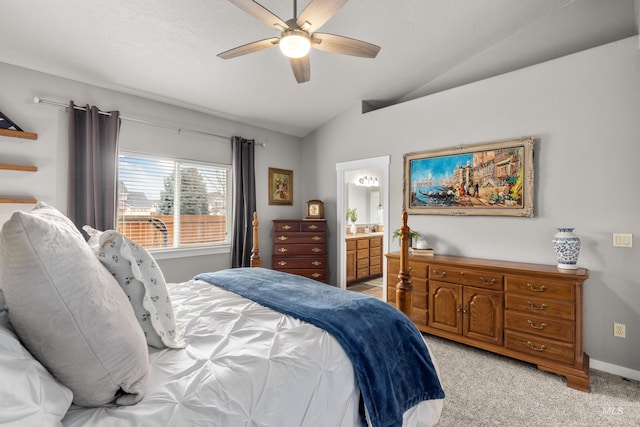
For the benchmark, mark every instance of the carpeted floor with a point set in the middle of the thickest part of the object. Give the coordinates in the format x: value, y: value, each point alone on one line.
x: 484, y: 389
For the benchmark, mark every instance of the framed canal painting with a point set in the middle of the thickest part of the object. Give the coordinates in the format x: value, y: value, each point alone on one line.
x: 494, y: 178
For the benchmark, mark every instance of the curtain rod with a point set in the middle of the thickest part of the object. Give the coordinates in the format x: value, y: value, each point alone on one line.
x: 38, y: 100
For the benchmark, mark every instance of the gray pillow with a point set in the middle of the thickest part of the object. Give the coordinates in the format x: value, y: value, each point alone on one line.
x: 69, y: 311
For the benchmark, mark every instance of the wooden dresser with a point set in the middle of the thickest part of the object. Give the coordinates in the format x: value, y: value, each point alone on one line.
x: 364, y: 257
x: 530, y: 312
x: 300, y: 247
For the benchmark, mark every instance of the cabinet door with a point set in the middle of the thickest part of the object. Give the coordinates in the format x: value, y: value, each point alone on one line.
x: 351, y: 266
x: 445, y: 306
x: 483, y: 315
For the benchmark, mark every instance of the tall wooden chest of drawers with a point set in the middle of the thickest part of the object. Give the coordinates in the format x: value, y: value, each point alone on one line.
x: 300, y: 247
x: 530, y: 312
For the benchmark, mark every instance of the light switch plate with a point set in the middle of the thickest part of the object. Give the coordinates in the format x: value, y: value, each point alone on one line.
x: 623, y: 240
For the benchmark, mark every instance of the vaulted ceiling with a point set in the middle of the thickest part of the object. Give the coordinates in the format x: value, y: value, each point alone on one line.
x: 166, y: 50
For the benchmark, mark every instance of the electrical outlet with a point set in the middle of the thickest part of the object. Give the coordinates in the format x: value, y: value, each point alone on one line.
x: 619, y: 330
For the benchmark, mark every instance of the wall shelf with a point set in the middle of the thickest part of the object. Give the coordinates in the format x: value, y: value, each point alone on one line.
x: 19, y: 168
x: 21, y: 201
x: 18, y: 134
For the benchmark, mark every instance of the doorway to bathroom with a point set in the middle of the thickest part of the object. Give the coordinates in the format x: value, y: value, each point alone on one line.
x: 362, y: 185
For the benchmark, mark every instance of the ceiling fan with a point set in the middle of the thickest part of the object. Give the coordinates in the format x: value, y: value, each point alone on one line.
x: 298, y: 35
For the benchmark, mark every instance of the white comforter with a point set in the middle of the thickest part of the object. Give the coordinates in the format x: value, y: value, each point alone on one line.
x: 245, y: 365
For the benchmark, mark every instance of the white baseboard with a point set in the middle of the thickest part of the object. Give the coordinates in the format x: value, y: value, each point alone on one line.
x: 632, y: 374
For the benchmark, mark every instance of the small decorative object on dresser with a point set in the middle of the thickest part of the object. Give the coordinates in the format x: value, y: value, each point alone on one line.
x: 315, y: 209
x: 567, y: 248
x: 300, y: 247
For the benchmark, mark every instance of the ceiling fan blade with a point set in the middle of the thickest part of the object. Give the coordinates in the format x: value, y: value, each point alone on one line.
x: 344, y: 45
x: 261, y: 13
x: 301, y: 68
x: 317, y: 13
x: 249, y: 48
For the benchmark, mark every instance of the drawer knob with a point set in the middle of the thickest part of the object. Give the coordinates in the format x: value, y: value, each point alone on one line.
x: 316, y: 238
x: 316, y: 250
x: 283, y: 250
x: 487, y: 282
x: 282, y: 238
x: 444, y: 273
x: 316, y: 263
x: 535, y: 307
x: 533, y: 347
x: 533, y: 325
x: 313, y: 227
x: 286, y: 227
x: 533, y: 289
x: 316, y: 275
x: 282, y: 263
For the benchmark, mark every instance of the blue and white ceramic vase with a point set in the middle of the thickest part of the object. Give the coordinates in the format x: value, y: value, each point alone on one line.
x: 567, y: 247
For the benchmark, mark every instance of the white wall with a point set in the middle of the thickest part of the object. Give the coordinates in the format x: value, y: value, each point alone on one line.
x: 584, y: 111
x: 49, y: 153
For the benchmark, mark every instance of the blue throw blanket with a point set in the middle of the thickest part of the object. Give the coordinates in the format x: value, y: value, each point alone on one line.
x: 390, y: 358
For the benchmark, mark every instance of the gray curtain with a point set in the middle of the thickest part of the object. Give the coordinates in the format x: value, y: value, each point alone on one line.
x: 93, y: 163
x: 244, y: 200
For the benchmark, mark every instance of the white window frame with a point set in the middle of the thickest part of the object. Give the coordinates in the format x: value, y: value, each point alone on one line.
x: 190, y: 251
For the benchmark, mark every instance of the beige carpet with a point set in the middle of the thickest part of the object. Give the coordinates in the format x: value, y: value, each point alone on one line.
x: 484, y: 389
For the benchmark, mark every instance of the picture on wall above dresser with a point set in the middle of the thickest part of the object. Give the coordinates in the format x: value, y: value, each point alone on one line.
x: 494, y: 178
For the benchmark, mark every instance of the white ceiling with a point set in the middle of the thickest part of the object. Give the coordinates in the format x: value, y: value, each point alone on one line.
x: 166, y: 49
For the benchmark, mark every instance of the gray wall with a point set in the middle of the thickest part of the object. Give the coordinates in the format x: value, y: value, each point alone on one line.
x: 584, y: 112
x: 19, y: 86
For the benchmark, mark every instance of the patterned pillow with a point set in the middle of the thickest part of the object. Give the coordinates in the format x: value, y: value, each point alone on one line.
x: 142, y: 280
x: 68, y: 311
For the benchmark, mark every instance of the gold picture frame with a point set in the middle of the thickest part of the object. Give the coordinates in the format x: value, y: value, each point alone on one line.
x: 280, y: 186
x: 493, y: 178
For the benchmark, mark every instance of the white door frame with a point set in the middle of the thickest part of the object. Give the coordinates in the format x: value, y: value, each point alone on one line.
x: 341, y: 207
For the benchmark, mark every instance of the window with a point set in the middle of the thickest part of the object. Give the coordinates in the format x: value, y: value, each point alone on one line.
x: 173, y: 204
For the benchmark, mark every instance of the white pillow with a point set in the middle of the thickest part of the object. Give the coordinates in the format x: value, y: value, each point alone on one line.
x: 29, y: 395
x: 69, y: 311
x: 142, y: 280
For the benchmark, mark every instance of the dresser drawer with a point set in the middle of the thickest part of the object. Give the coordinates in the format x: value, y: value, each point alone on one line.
x: 351, y: 245
x: 375, y: 242
x: 420, y: 312
x: 363, y: 263
x: 375, y: 251
x: 544, y: 326
x: 375, y: 269
x: 540, y: 347
x: 362, y: 272
x: 286, y: 226
x: 539, y: 287
x: 302, y: 237
x: 375, y: 260
x: 540, y: 306
x: 301, y: 249
x: 363, y: 243
x: 362, y: 253
x: 462, y: 276
x: 299, y: 262
x: 313, y: 226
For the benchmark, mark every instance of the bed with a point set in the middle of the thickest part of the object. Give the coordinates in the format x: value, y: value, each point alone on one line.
x: 218, y: 358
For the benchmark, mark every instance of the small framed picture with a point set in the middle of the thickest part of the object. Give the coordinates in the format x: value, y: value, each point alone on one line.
x: 315, y: 209
x: 280, y: 186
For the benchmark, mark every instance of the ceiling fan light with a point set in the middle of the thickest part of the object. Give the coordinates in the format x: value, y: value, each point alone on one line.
x: 295, y: 44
